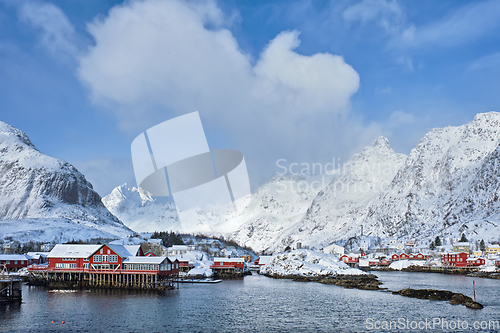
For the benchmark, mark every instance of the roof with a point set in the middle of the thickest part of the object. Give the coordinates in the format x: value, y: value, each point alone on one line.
x: 120, y: 250
x: 73, y: 250
x: 133, y: 249
x: 462, y: 244
x: 144, y: 260
x: 493, y: 246
x: 31, y: 254
x: 13, y: 257
x: 264, y: 260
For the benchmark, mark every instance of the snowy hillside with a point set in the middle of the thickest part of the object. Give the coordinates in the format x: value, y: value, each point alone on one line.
x: 279, y: 203
x: 442, y: 173
x: 141, y: 212
x: 449, y: 184
x: 339, y: 210
x: 35, y: 186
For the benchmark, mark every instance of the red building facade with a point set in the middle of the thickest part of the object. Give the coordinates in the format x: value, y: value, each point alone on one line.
x: 455, y: 259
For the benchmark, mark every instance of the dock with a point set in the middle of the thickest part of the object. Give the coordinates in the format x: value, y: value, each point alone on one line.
x: 10, y: 289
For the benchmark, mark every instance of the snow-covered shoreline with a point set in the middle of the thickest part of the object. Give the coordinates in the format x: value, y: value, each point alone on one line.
x: 307, y: 265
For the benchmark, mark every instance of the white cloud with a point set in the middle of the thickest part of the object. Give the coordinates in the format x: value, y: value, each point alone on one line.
x: 468, y: 23
x: 489, y: 62
x: 154, y: 60
x: 57, y: 32
x: 160, y: 54
x: 406, y: 62
x: 386, y: 13
x: 399, y: 118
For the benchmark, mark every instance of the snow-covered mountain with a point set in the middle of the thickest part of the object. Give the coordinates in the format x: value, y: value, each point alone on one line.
x: 443, y: 173
x: 43, y: 195
x: 338, y: 212
x: 279, y: 203
x: 448, y: 184
x: 141, y: 212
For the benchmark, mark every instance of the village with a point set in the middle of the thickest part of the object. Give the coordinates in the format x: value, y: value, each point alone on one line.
x: 151, y: 265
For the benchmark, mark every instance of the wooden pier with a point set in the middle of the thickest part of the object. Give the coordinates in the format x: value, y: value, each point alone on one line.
x: 10, y: 289
x: 103, y: 279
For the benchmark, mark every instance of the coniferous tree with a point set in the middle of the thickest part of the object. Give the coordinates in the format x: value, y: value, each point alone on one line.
x: 482, y: 245
x: 463, y: 238
x: 437, y: 241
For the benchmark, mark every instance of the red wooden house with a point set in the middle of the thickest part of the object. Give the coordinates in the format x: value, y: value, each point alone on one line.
x: 404, y: 256
x: 497, y: 262
x: 14, y: 261
x: 109, y: 258
x: 229, y: 265
x: 262, y: 260
x: 384, y: 262
x: 157, y: 265
x: 395, y: 257
x: 475, y: 262
x: 456, y: 259
x: 421, y: 256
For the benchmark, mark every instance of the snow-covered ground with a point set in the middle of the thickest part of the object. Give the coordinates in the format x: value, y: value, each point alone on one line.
x: 400, y: 264
x: 307, y: 263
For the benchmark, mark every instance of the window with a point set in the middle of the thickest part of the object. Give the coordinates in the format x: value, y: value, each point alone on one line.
x: 105, y: 258
x: 15, y: 262
x: 113, y: 258
x: 86, y: 265
x: 97, y: 258
x: 109, y: 251
x: 101, y: 251
x: 7, y: 262
x: 59, y: 265
x: 22, y: 262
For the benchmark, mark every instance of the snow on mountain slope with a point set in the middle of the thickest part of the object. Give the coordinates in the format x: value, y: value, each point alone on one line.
x: 338, y: 211
x: 277, y: 204
x: 448, y: 184
x: 275, y: 207
x: 33, y: 185
x: 477, y: 211
x: 141, y: 212
x: 440, y: 170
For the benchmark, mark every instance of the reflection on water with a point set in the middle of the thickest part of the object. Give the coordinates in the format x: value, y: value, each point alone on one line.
x: 255, y: 304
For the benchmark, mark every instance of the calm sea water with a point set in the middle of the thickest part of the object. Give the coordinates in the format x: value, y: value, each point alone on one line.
x: 255, y: 304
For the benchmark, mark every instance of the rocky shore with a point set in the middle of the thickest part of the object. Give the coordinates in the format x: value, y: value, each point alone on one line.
x: 440, y: 295
x: 486, y: 275
x: 362, y: 282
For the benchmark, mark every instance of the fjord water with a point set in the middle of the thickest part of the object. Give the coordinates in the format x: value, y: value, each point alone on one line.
x: 255, y: 304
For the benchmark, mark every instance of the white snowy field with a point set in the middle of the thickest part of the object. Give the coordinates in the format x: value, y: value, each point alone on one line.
x: 307, y: 263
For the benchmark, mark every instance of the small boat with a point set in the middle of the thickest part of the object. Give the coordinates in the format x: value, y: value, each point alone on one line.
x: 198, y: 281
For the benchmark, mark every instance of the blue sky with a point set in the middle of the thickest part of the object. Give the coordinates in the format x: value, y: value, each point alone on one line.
x: 305, y: 81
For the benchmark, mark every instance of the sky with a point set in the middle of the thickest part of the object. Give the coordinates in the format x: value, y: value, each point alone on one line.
x: 301, y: 81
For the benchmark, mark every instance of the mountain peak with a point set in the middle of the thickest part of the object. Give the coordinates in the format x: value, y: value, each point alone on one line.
x: 486, y: 117
x: 9, y: 133
x: 381, y: 142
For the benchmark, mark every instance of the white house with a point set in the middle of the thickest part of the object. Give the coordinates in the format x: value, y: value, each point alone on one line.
x: 334, y: 249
